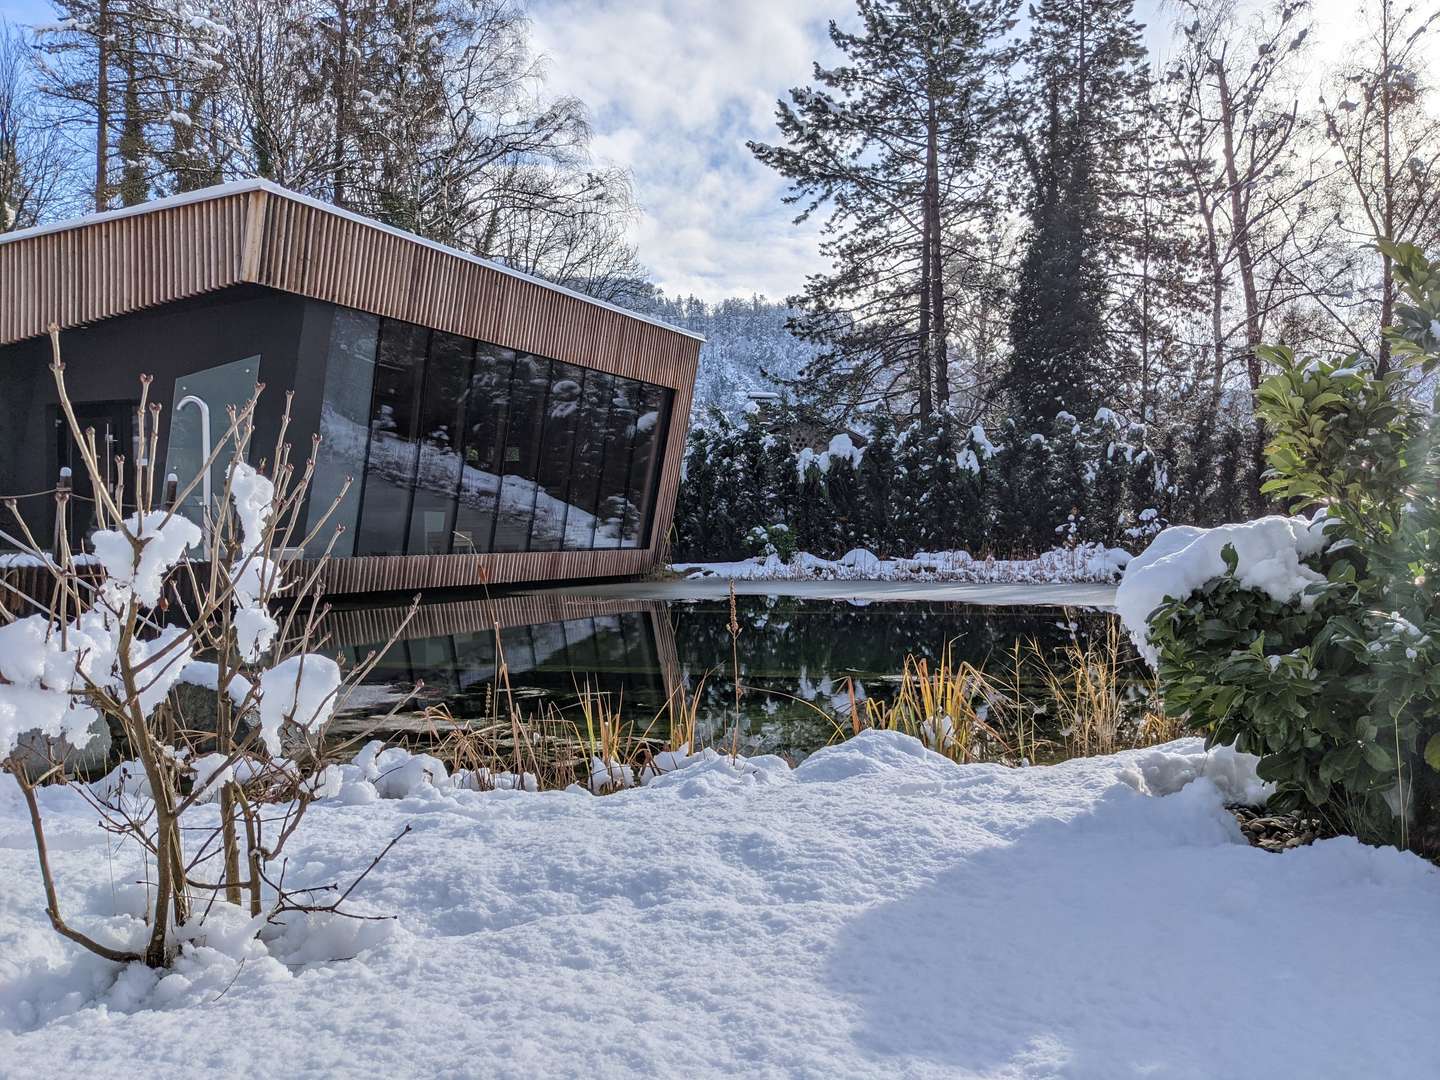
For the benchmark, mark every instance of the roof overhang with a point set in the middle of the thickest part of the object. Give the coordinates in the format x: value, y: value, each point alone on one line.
x: 78, y: 272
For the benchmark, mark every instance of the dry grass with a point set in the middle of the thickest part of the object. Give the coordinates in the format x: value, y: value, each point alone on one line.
x: 1085, y: 698
x: 953, y: 708
x: 1100, y: 698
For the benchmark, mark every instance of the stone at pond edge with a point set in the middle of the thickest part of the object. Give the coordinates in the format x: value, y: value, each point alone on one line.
x: 1275, y: 831
x: 38, y: 753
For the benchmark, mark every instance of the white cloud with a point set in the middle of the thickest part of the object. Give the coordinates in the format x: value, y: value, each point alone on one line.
x: 676, y: 87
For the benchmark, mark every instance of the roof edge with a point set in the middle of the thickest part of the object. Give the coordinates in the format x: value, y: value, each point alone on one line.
x: 241, y: 187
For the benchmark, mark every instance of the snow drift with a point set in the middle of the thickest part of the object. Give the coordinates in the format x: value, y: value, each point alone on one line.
x: 876, y: 912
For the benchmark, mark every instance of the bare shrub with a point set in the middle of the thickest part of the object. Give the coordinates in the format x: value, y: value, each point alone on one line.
x: 160, y: 616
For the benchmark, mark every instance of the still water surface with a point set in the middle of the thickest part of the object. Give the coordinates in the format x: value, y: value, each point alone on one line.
x: 800, y: 657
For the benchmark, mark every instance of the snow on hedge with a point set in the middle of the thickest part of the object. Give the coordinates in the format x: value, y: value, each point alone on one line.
x: 876, y: 912
x: 1183, y: 558
x: 1082, y: 563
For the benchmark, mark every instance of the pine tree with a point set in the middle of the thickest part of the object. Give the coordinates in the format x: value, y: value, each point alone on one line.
x: 1005, y: 493
x: 1198, y: 477
x: 843, y: 488
x: 813, y: 520
x: 912, y: 479
x: 876, y: 477
x: 1068, y: 482
x: 695, y: 504
x: 1233, y: 471
x: 1086, y: 61
x: 889, y: 140
x: 955, y: 519
x: 1108, y: 512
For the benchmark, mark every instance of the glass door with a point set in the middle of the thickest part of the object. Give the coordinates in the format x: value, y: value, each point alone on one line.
x: 114, y: 425
x: 199, y: 418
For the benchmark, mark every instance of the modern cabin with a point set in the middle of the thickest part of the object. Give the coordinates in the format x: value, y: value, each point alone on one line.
x: 495, y: 428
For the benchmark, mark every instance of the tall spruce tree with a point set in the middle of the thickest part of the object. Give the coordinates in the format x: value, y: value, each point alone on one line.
x: 1086, y: 64
x: 889, y: 140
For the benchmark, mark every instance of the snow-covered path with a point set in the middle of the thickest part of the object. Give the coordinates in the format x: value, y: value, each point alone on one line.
x: 876, y: 912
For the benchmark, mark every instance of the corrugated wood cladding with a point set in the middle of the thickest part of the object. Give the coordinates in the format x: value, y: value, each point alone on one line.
x: 261, y: 236
x: 111, y: 267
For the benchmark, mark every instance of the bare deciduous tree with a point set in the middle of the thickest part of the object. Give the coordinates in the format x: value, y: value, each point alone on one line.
x: 1380, y: 117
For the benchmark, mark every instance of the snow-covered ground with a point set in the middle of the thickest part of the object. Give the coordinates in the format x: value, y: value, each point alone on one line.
x: 877, y: 911
x: 1083, y: 563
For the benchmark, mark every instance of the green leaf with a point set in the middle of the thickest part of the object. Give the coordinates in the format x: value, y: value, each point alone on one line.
x: 1432, y: 752
x: 1231, y: 557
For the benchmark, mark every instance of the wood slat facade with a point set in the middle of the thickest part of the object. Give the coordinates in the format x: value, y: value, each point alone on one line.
x: 254, y: 233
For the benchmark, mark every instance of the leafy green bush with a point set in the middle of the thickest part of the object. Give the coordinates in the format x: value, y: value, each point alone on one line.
x: 1338, y: 691
x: 777, y: 540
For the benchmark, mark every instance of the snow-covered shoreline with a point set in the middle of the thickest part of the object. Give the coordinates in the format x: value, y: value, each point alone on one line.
x: 876, y: 911
x: 1085, y: 563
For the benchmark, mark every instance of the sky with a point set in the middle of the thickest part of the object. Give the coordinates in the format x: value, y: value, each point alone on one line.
x: 676, y: 87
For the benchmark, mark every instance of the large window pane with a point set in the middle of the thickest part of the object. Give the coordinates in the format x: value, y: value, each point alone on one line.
x: 557, y: 448
x: 588, y: 459
x: 344, y: 424
x: 441, y: 431
x: 529, y: 391
x: 615, y: 474
x: 486, y: 413
x: 390, y: 470
x: 650, y: 431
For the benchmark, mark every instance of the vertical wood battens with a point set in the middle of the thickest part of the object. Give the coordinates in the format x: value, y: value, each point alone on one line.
x: 108, y: 268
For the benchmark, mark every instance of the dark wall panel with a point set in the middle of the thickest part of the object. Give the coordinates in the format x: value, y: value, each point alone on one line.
x: 103, y: 364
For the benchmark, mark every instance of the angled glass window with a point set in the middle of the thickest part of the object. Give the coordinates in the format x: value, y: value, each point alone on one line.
x: 588, y: 460
x: 651, y: 429
x: 344, y: 424
x: 469, y: 448
x: 613, y: 506
x: 441, y: 435
x: 390, y: 469
x: 557, y: 451
x: 486, y: 413
x: 529, y: 393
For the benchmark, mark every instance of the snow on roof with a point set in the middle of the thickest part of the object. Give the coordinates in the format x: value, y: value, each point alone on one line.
x: 240, y: 187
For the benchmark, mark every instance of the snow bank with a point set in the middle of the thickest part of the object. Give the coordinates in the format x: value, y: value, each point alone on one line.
x: 1083, y: 563
x: 1183, y: 558
x: 876, y: 912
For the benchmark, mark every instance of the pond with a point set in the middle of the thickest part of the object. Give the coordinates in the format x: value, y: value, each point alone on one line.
x: 807, y: 662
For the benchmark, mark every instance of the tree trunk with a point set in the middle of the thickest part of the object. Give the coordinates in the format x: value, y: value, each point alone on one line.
x: 339, y: 90
x: 1240, y: 228
x: 134, y: 185
x: 1387, y: 194
x: 939, y: 347
x: 102, y: 108
x: 922, y: 358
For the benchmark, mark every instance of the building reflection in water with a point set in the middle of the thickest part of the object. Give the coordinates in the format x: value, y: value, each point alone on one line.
x: 553, y: 646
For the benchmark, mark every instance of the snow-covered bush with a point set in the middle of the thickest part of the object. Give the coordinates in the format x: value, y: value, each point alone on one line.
x: 775, y: 541
x: 177, y: 605
x: 1315, y: 642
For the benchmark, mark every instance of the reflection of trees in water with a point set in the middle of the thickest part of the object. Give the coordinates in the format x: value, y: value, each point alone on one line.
x: 818, y: 651
x: 811, y: 650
